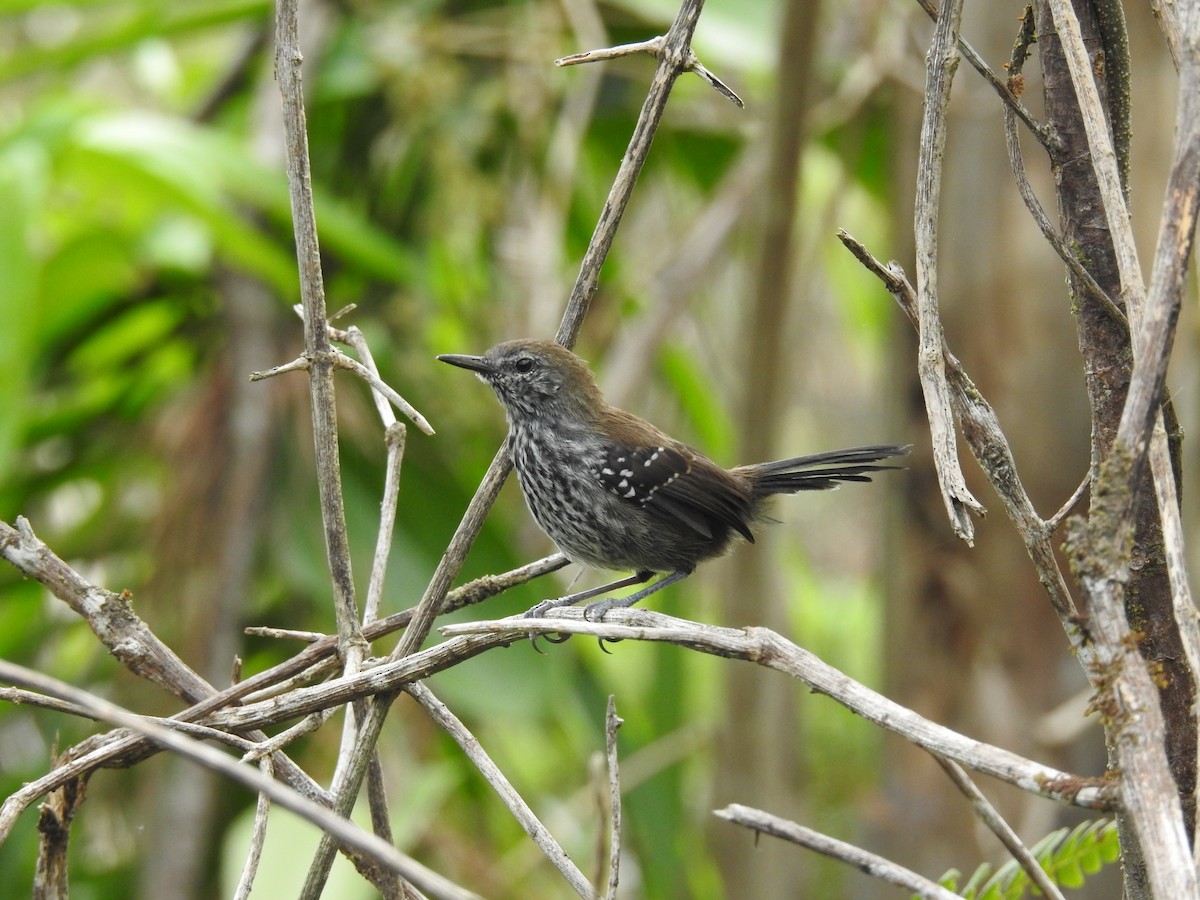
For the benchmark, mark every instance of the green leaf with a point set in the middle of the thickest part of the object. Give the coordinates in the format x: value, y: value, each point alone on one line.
x: 24, y: 172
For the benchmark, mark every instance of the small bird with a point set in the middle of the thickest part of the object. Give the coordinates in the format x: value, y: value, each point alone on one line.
x: 615, y: 492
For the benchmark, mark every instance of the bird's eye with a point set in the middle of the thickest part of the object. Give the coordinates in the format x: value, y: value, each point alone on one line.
x: 524, y: 364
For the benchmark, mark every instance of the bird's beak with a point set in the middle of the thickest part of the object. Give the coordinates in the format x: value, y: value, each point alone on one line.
x: 474, y: 363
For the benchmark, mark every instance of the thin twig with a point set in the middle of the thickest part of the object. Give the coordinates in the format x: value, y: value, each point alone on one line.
x: 394, y: 439
x: 872, y: 864
x: 991, y: 817
x: 284, y: 634
x: 654, y: 47
x: 941, y: 62
x: 381, y: 823
x: 258, y: 837
x: 1055, y: 520
x: 380, y: 386
x: 611, y: 723
x: 1053, y: 238
x: 299, y: 364
x: 395, y: 434
x: 985, y: 438
x: 307, y: 725
x: 322, y: 357
x: 1011, y: 100
x: 473, y: 750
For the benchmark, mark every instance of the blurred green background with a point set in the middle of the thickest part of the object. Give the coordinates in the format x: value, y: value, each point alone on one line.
x: 147, y: 266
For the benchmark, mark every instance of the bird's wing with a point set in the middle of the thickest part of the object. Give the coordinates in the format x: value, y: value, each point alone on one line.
x: 676, y: 482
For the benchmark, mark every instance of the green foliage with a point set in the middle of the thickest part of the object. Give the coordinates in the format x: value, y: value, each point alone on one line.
x: 1067, y: 855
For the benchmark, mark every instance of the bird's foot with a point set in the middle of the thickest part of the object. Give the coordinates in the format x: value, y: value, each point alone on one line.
x: 537, y: 611
x: 594, y: 612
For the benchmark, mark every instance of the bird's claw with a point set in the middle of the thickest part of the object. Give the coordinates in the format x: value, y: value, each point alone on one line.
x: 536, y: 612
x: 594, y: 612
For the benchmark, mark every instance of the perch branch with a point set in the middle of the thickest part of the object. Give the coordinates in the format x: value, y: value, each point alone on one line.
x: 769, y: 649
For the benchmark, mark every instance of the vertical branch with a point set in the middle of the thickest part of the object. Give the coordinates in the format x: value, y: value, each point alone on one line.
x: 674, y: 59
x: 318, y: 350
x: 941, y: 63
x: 1101, y: 551
x: 611, y: 723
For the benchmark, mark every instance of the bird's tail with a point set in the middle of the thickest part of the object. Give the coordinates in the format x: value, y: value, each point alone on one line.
x: 820, y: 471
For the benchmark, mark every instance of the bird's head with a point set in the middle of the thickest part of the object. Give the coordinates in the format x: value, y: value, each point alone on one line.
x: 536, y: 379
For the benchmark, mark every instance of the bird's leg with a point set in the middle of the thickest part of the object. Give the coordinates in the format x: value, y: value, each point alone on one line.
x: 594, y: 612
x: 536, y: 611
x: 540, y: 609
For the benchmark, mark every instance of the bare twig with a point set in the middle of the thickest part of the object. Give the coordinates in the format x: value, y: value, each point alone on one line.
x: 876, y: 866
x: 258, y: 837
x: 1055, y: 520
x: 111, y: 618
x: 611, y: 723
x: 22, y: 697
x: 474, y: 751
x: 211, y: 758
x: 321, y: 356
x: 307, y: 725
x: 369, y: 374
x: 1011, y: 100
x: 654, y: 47
x: 1053, y: 238
x: 38, y: 562
x: 989, y: 446
x: 299, y: 364
x: 394, y: 438
x: 941, y: 62
x: 990, y: 817
x: 284, y: 634
x: 109, y: 615
x: 767, y: 648
x: 377, y: 384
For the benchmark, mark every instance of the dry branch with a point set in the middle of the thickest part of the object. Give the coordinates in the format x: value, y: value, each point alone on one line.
x: 876, y: 866
x: 767, y: 648
x: 942, y: 60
